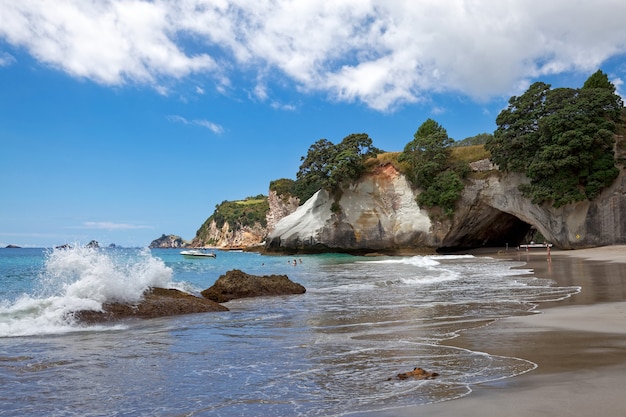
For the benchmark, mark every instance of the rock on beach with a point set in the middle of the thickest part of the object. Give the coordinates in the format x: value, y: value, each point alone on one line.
x: 156, y: 302
x: 237, y: 284
x: 162, y: 302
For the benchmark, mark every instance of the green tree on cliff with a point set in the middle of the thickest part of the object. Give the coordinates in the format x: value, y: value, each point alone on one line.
x: 428, y: 166
x: 329, y: 166
x: 427, y: 154
x: 562, y: 139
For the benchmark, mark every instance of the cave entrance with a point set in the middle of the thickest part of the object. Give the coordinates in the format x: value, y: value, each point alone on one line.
x: 494, y: 228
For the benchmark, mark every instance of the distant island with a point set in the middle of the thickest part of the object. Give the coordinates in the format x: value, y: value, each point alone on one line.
x: 168, y: 242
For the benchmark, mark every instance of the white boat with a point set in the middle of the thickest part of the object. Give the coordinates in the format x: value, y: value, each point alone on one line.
x: 196, y: 253
x: 532, y: 245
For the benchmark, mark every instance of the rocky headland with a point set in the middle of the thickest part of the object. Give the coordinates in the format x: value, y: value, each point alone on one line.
x: 237, y: 231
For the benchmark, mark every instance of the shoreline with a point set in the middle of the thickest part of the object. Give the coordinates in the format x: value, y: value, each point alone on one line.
x: 578, y: 344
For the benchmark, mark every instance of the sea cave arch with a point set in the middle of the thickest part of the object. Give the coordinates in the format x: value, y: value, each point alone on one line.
x: 488, y: 227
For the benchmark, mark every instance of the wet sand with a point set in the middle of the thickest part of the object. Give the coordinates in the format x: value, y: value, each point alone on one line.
x: 579, y: 345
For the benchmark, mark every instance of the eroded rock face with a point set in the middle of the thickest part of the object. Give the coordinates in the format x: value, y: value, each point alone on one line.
x: 380, y: 213
x: 157, y: 302
x: 237, y: 284
x: 377, y: 213
x: 280, y: 206
x: 229, y: 238
x: 599, y: 222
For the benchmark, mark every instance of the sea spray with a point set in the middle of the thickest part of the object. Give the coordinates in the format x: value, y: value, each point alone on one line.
x: 81, y: 279
x: 103, y: 275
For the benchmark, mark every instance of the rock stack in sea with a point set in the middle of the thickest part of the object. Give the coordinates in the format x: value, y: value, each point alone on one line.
x: 168, y: 242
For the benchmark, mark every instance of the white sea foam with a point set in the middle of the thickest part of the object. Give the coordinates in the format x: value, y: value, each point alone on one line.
x: 81, y: 279
x: 345, y: 288
x: 421, y: 261
x: 445, y: 276
x: 453, y: 257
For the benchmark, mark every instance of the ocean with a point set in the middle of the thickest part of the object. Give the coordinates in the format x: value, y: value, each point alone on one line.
x: 332, y: 351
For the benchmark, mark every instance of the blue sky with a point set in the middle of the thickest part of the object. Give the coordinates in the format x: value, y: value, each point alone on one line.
x: 121, y: 120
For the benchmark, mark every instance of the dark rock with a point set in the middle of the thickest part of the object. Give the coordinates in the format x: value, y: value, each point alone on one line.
x: 93, y: 244
x: 417, y: 373
x: 157, y: 302
x: 13, y: 247
x: 237, y: 284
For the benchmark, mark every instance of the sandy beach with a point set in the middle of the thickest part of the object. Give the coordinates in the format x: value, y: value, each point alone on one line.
x: 578, y: 344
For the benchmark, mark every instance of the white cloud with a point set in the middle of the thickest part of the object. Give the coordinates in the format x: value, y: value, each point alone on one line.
x: 112, y: 226
x: 619, y: 84
x: 437, y: 110
x: 110, y: 42
x: 260, y: 92
x: 380, y: 52
x: 6, y: 59
x: 214, y: 127
x: 282, y: 106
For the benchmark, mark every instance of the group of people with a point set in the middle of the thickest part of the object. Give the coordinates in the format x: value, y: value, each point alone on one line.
x: 294, y: 262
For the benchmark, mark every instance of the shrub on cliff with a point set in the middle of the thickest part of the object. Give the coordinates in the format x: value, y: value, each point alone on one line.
x: 283, y: 186
x: 429, y: 165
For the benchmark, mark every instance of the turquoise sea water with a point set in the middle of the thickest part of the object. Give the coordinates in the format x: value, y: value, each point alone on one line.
x: 328, y: 352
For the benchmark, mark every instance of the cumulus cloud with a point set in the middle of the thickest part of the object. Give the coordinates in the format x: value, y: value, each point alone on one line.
x: 380, y: 52
x: 110, y: 42
x: 214, y: 127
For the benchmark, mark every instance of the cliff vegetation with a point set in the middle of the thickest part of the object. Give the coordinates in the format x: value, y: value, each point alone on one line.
x: 562, y: 139
x: 331, y: 167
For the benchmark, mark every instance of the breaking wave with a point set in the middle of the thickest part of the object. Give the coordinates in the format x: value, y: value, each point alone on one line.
x: 81, y: 279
